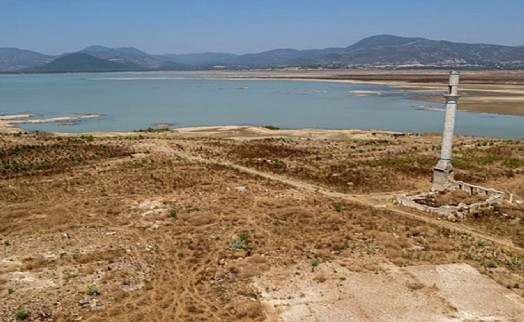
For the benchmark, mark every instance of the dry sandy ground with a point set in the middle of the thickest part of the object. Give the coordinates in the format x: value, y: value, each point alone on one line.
x: 451, y: 292
x: 249, y: 224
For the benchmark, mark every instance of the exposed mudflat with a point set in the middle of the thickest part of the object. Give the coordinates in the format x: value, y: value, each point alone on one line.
x: 498, y: 92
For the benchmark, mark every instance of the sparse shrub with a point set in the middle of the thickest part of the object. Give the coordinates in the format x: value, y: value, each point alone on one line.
x: 92, y: 290
x: 513, y: 262
x: 470, y: 256
x: 277, y: 164
x: 491, y: 263
x: 154, y: 130
x: 21, y: 314
x: 514, y: 163
x: 173, y: 213
x: 241, y: 242
x: 315, y: 261
x: 338, y: 207
x: 126, y: 282
x: 481, y: 243
x: 271, y: 127
x: 87, y: 137
x: 7, y: 243
x: 10, y: 290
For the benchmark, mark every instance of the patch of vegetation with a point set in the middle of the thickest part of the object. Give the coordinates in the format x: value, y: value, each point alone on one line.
x: 268, y: 149
x: 154, y: 130
x: 513, y: 262
x: 10, y: 291
x: 477, y: 159
x: 315, y: 261
x: 514, y: 163
x: 277, y: 164
x: 491, y: 263
x: 481, y: 243
x: 21, y: 314
x: 240, y: 242
x: 338, y: 207
x: 87, y: 137
x: 412, y: 164
x: 173, y: 213
x: 8, y: 166
x: 52, y: 154
x: 92, y: 290
x: 271, y: 127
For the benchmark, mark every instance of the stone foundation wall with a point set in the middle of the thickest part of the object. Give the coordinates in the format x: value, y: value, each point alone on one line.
x: 454, y: 212
x: 474, y: 190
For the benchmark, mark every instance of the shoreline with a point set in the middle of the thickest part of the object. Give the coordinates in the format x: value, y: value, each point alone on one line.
x: 475, y: 98
x: 224, y: 131
x: 9, y: 122
x: 248, y: 132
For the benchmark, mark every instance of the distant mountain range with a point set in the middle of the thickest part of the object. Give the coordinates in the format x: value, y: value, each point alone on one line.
x: 384, y: 51
x: 14, y: 58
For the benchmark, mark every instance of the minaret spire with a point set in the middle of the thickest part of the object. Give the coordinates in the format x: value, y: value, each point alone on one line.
x: 443, y: 171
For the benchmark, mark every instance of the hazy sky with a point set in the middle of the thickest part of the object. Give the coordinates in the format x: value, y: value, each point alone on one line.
x: 240, y: 26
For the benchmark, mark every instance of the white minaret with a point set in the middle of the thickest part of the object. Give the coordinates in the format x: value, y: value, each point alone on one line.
x: 443, y: 171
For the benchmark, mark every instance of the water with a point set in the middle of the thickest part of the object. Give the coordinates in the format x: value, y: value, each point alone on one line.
x: 130, y: 101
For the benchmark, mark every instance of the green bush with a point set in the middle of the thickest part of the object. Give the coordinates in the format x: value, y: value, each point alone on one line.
x: 314, y: 263
x: 241, y: 242
x: 87, y: 137
x: 21, y: 314
x: 153, y: 130
x: 338, y: 207
x: 277, y: 164
x: 173, y: 213
x: 491, y: 263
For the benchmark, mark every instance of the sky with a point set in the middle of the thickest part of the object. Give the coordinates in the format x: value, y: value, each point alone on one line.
x: 243, y: 26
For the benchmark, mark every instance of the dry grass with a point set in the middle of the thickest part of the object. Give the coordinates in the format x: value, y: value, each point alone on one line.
x: 105, y: 221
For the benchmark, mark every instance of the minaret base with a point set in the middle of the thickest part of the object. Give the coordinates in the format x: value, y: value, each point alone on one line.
x: 442, y: 179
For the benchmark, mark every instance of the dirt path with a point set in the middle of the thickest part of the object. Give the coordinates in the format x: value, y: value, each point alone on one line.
x: 377, y: 201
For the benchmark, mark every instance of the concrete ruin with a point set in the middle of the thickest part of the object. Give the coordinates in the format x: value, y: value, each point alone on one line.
x: 442, y: 179
x: 458, y: 211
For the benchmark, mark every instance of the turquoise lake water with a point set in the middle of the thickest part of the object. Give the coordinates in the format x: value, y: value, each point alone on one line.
x: 130, y: 101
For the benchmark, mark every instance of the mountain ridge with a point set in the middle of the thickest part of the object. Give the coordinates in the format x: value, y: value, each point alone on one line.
x: 80, y: 62
x: 387, y: 51
x: 15, y: 58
